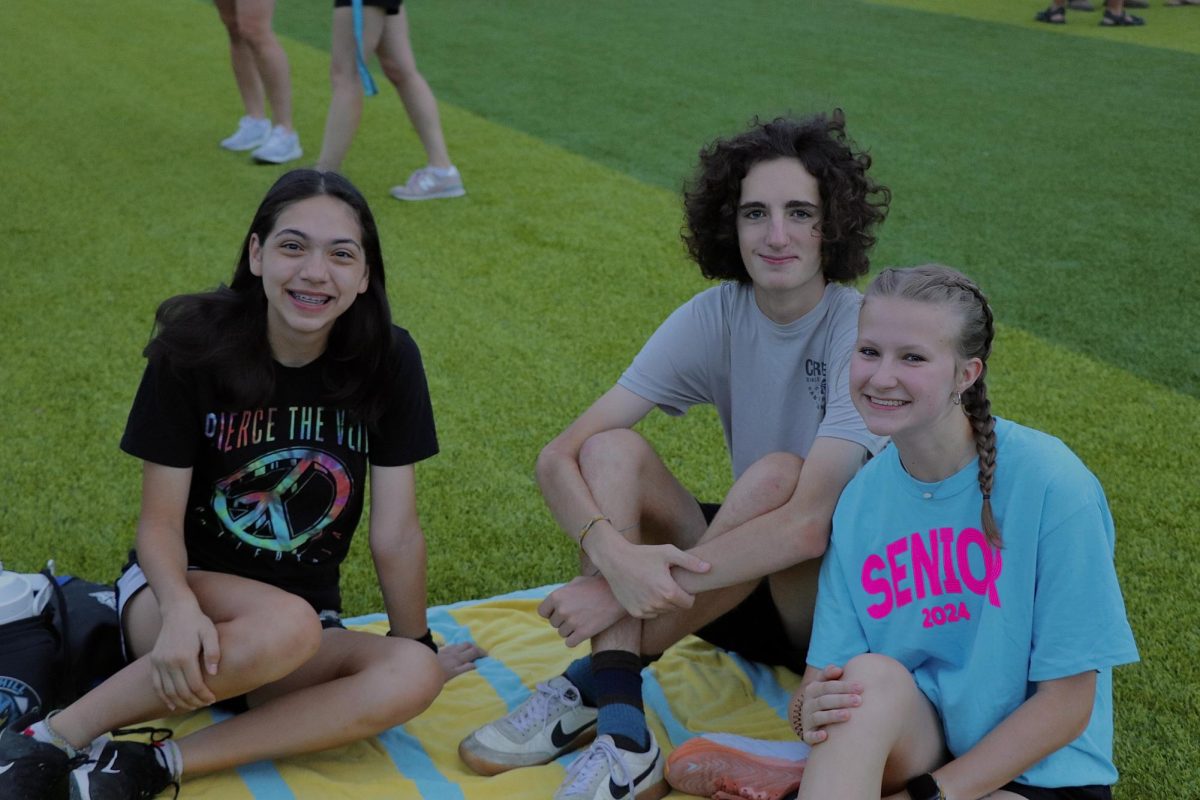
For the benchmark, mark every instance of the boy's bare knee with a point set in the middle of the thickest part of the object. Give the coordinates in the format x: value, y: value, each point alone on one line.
x: 619, y: 447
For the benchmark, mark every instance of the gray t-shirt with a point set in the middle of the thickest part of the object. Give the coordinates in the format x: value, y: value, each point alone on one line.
x: 775, y: 387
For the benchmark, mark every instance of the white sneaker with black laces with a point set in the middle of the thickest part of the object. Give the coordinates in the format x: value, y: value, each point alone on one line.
x: 250, y: 133
x: 281, y: 147
x: 551, y: 722
x: 606, y: 772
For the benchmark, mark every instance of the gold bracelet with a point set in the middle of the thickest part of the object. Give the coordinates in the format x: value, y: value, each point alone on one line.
x: 591, y: 523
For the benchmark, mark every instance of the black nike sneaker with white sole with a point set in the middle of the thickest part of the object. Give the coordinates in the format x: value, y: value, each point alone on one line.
x: 124, y: 771
x: 32, y: 770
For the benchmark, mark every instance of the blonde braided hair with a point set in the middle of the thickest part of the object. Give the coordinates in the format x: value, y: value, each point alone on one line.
x: 934, y: 283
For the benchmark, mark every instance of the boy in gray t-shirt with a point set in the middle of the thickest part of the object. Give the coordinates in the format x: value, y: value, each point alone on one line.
x: 783, y: 213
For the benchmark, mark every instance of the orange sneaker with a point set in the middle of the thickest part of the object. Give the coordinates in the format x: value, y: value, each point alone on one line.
x: 722, y: 765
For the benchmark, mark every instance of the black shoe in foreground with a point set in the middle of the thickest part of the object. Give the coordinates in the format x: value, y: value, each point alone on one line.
x: 30, y: 769
x: 124, y: 771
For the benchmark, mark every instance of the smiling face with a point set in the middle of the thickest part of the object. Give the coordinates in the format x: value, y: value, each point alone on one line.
x: 779, y: 235
x: 906, y: 371
x: 312, y: 267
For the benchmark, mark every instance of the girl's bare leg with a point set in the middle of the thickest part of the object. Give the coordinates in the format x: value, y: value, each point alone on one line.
x: 356, y: 686
x: 400, y: 67
x: 893, y: 736
x: 345, y: 104
x: 245, y: 69
x: 308, y: 689
x: 264, y: 633
x: 254, y: 25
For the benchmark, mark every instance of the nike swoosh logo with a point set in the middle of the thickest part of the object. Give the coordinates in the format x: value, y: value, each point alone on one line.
x: 562, y: 738
x: 109, y: 769
x: 7, y: 767
x: 620, y: 791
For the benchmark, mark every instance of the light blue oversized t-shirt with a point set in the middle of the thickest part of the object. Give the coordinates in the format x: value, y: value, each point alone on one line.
x: 910, y: 574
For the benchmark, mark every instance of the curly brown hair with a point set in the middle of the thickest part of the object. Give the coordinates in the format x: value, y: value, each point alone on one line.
x: 852, y: 204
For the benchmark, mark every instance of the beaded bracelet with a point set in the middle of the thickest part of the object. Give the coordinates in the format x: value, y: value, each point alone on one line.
x: 796, y: 713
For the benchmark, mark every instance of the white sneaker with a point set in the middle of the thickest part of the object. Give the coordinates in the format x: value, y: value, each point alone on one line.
x: 281, y: 146
x: 430, y: 183
x: 551, y: 722
x: 606, y: 772
x: 250, y: 133
x: 737, y: 766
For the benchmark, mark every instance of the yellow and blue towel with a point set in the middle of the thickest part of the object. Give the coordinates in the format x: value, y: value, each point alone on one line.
x: 693, y: 689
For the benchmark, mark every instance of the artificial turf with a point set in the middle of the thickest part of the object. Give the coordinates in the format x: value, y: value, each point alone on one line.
x: 1055, y: 165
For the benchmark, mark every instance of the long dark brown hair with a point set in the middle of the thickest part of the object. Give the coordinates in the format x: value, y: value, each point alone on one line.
x: 224, y: 331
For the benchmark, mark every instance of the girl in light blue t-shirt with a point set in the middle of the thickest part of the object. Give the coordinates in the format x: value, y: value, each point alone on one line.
x: 968, y: 616
x: 968, y: 596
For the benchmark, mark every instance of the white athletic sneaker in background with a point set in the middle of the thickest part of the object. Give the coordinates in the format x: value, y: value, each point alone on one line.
x: 431, y: 183
x: 250, y: 133
x: 281, y: 146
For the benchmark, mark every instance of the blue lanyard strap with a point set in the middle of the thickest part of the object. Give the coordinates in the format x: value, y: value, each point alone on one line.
x: 363, y: 74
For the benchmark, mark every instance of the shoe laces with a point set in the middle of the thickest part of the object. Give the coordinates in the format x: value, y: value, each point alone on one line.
x: 602, y: 756
x: 422, y: 180
x: 156, y: 734
x: 535, y: 712
x: 146, y: 777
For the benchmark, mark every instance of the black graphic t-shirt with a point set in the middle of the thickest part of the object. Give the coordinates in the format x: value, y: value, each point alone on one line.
x: 277, y: 491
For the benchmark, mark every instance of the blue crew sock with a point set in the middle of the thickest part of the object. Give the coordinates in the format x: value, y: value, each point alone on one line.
x: 579, y: 672
x: 618, y: 677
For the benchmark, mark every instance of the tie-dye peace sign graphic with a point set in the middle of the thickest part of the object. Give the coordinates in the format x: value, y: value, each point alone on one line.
x: 284, y: 499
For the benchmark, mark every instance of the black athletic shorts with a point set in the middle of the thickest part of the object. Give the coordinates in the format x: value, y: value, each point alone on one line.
x: 392, y: 7
x: 1061, y: 793
x: 753, y: 629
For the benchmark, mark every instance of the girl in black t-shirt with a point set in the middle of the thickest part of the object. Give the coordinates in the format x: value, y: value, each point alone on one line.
x: 263, y: 407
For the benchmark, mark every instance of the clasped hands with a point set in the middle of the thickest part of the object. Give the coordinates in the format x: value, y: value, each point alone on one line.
x: 635, y: 579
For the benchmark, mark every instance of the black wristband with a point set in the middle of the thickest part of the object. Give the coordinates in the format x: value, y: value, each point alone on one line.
x: 426, y: 639
x: 924, y: 787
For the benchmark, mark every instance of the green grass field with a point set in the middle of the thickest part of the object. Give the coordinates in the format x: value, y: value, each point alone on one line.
x: 1056, y: 165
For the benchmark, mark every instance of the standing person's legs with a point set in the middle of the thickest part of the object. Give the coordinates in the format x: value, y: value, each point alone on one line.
x: 345, y: 104
x: 254, y: 25
x: 254, y: 127
x: 399, y: 65
x: 245, y: 69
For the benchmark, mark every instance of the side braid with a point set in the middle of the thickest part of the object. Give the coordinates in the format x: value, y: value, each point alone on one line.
x: 934, y: 283
x: 978, y: 409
